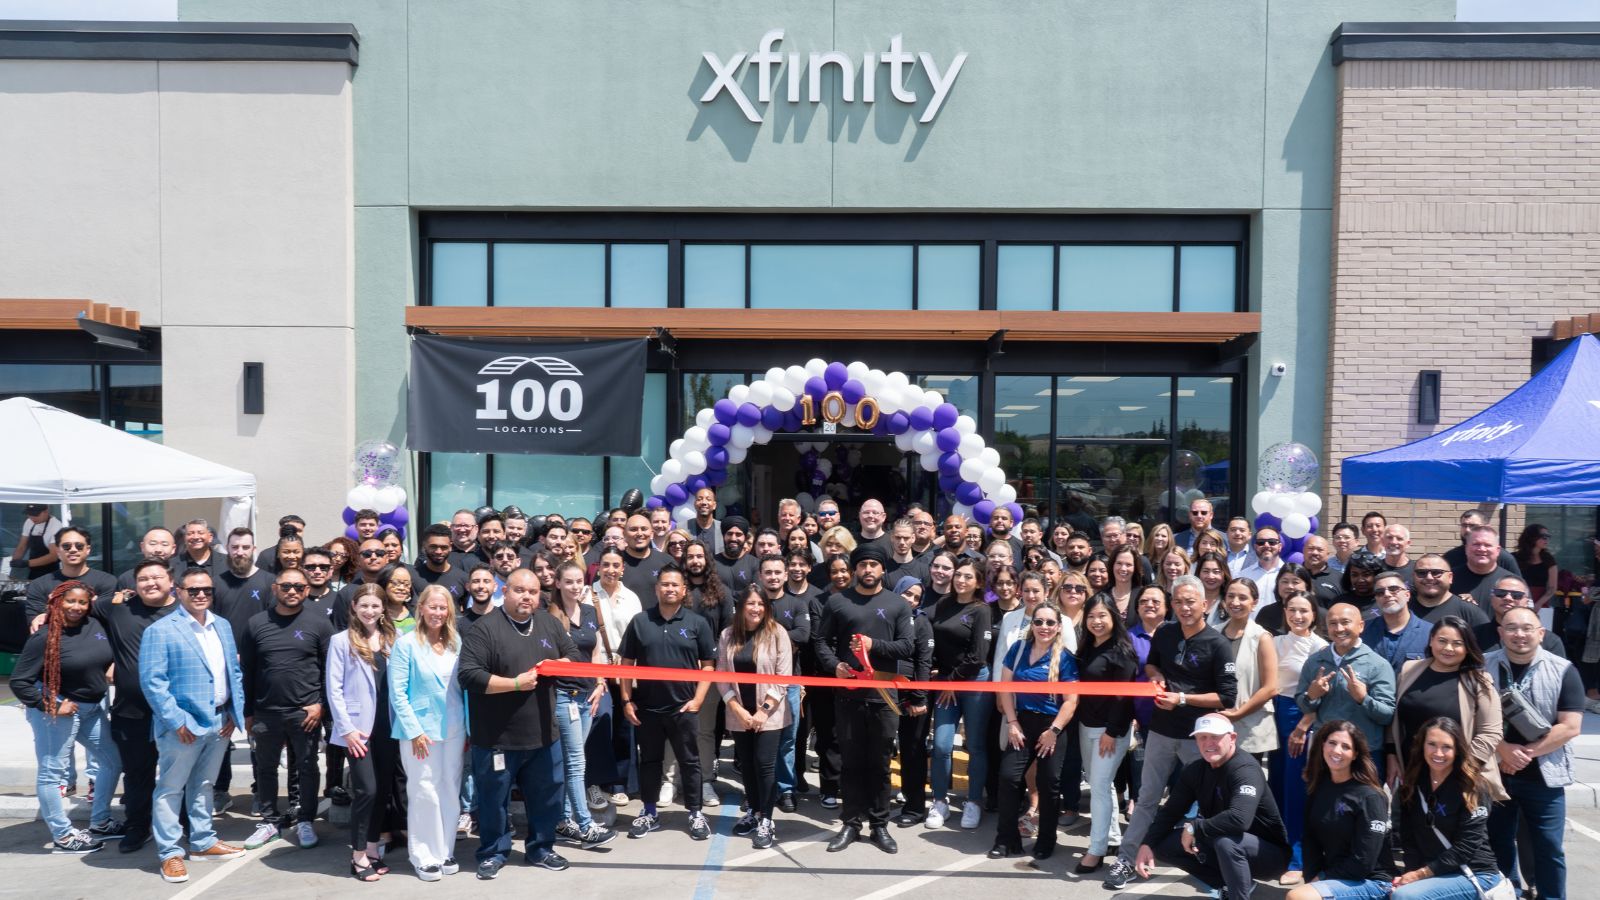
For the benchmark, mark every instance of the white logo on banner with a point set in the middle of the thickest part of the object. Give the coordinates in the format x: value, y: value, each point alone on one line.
x: 1483, y: 434
x: 552, y: 365
x: 530, y: 399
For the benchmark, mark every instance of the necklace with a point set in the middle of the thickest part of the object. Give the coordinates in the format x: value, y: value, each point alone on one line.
x: 519, y: 626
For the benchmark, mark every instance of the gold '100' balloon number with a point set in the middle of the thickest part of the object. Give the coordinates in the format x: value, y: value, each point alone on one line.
x: 833, y: 410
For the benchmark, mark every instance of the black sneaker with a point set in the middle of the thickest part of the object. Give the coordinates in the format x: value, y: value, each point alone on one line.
x: 489, y: 869
x: 108, y: 828
x: 643, y: 824
x: 339, y: 796
x: 1120, y: 874
x: 78, y: 843
x: 746, y: 824
x: 765, y: 835
x: 553, y: 861
x: 133, y: 839
x: 786, y: 802
x: 567, y: 830
x: 596, y: 835
x: 699, y: 829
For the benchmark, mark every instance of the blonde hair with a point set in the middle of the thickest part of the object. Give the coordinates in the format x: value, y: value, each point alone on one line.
x: 1150, y: 540
x: 384, y: 627
x: 1058, y: 644
x: 841, y: 535
x: 1161, y: 577
x: 447, y: 631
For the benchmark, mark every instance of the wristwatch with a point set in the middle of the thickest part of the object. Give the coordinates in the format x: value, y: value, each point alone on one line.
x: 1055, y: 730
x: 1189, y: 827
x: 1182, y: 700
x: 767, y: 706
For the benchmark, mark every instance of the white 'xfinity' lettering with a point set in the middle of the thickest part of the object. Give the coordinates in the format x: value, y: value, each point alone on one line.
x: 1482, y: 434
x: 767, y: 60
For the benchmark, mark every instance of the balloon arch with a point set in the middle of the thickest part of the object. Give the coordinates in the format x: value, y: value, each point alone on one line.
x: 848, y: 396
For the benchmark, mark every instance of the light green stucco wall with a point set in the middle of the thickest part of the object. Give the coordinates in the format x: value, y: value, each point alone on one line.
x: 1063, y: 105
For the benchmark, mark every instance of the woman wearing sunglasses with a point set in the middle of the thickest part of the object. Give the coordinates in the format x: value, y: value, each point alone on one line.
x: 1033, y: 725
x: 1103, y: 723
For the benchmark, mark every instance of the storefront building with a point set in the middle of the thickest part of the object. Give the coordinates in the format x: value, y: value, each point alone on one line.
x: 1108, y: 233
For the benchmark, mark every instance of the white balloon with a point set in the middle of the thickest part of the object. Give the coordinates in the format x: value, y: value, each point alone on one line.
x: 903, y: 440
x: 794, y: 378
x: 1281, y: 505
x: 736, y: 454
x: 991, y: 480
x: 806, y: 501
x: 783, y: 399
x: 694, y: 462
x: 775, y: 376
x: 825, y: 466
x: 889, y: 400
x: 683, y: 514
x: 362, y: 496
x: 990, y: 457
x: 815, y: 367
x: 849, y: 420
x: 675, y: 449
x: 971, y: 446
x: 930, y: 462
x: 966, y: 425
x: 931, y: 399
x: 1296, y: 525
x: 962, y: 510
x: 1259, y: 501
x: 898, y: 380
x: 739, y: 393
x: 672, y: 470
x: 763, y: 434
x: 857, y: 370
x: 390, y: 498
x: 695, y: 438
x: 972, y: 470
x: 924, y: 442
x: 874, y: 382
x: 705, y: 417
x: 1006, y: 494
x: 743, y: 436
x: 1308, y: 504
x: 761, y: 393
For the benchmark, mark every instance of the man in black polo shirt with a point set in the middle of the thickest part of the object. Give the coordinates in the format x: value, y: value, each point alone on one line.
x: 735, y: 565
x: 865, y: 620
x: 641, y: 561
x: 72, y: 549
x: 198, y: 551
x: 435, y: 567
x: 283, y: 654
x: 1193, y: 666
x: 668, y: 636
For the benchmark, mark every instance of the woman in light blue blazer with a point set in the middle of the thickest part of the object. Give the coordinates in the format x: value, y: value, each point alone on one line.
x: 358, y: 695
x: 430, y: 718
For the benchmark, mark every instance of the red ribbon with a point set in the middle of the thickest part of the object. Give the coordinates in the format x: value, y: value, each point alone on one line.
x: 562, y: 667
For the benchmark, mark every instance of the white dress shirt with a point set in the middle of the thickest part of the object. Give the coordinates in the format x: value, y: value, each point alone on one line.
x: 211, y: 646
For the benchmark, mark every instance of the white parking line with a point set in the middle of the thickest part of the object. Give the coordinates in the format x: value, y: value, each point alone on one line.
x: 783, y: 848
x: 1584, y: 830
x: 222, y: 870
x: 896, y: 890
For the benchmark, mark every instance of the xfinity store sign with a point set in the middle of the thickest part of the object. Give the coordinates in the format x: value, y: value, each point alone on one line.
x: 767, y: 60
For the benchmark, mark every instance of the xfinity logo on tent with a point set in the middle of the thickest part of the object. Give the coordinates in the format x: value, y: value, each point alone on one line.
x: 765, y: 60
x: 1482, y: 434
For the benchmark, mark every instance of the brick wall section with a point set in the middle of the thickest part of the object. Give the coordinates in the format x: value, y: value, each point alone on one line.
x: 1466, y: 222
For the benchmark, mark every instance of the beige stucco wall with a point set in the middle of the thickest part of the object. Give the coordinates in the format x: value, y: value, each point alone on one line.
x: 216, y: 198
x: 1466, y: 222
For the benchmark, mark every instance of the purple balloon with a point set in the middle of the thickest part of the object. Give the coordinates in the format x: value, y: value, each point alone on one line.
x: 1296, y: 557
x: 949, y: 483
x: 816, y: 387
x: 654, y: 502
x: 749, y: 415
x: 717, y: 458
x: 792, y: 420
x: 1016, y: 511
x: 835, y: 375
x: 808, y: 460
x: 1293, y: 545
x: 922, y: 418
x: 349, y: 515
x: 1314, y: 524
x: 697, y: 483
x: 716, y: 477
x: 853, y: 391
x: 881, y: 427
x: 945, y: 415
x: 718, y: 434
x: 983, y: 511
x: 950, y: 463
x: 352, y: 533
x: 725, y: 410
x: 899, y: 423
x: 398, y: 518
x: 948, y: 439
x: 1268, y: 520
x: 969, y: 493
x: 772, y: 418
x: 676, y: 495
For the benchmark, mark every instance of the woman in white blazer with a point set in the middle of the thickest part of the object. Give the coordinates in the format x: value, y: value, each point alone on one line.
x: 358, y: 695
x: 430, y: 717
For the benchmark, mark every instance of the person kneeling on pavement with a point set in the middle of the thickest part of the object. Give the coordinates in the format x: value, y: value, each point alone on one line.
x: 1238, y: 835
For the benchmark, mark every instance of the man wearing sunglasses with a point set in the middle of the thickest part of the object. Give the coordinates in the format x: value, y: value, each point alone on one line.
x: 1263, y: 567
x: 1396, y: 635
x: 1508, y: 593
x: 371, y: 559
x: 72, y: 548
x: 1432, y: 599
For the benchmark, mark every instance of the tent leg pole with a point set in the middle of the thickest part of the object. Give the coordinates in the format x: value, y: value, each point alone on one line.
x: 1502, y: 524
x: 1344, y: 507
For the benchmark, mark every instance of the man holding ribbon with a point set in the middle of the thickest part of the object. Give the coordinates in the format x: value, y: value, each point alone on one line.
x: 865, y: 629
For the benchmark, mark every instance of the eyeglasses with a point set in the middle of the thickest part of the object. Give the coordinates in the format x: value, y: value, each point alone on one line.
x: 1429, y: 573
x: 1519, y: 629
x: 582, y: 530
x: 293, y: 587
x: 505, y: 556
x: 368, y: 554
x: 1074, y: 589
x: 1504, y: 593
x: 316, y: 567
x: 1045, y: 623
x: 200, y: 591
x: 827, y: 513
x: 677, y: 543
x: 1267, y: 542
x: 74, y: 546
x: 1390, y: 589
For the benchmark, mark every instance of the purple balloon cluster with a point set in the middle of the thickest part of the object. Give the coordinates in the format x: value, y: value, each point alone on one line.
x: 1293, y: 550
x: 399, y: 519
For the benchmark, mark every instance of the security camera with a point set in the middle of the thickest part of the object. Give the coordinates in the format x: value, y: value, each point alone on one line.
x: 1278, y: 369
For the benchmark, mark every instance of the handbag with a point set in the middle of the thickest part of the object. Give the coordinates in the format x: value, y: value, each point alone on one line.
x: 1502, y: 888
x: 1522, y: 720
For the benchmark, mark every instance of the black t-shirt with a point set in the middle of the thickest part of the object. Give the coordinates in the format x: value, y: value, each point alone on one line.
x: 717, y: 615
x: 585, y: 633
x: 495, y: 645
x: 1234, y: 801
x: 175, y: 569
x: 282, y: 659
x: 454, y: 580
x: 1488, y: 637
x: 1362, y: 602
x: 1465, y: 830
x: 1456, y: 559
x: 1326, y: 588
x: 1202, y: 664
x: 1479, y: 586
x: 744, y: 660
x: 917, y: 568
x: 1105, y: 662
x: 239, y: 599
x: 1433, y: 694
x: 793, y: 612
x: 681, y: 641
x: 962, y: 633
x: 465, y: 621
x: 104, y: 584
x: 125, y: 624
x: 639, y: 575
x: 1405, y: 570
x: 737, y: 574
x: 1451, y: 605
x: 884, y: 617
x: 85, y: 656
x: 1570, y: 699
x: 1346, y: 833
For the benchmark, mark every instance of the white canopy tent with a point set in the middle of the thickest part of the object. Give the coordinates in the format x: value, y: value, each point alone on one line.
x: 48, y: 455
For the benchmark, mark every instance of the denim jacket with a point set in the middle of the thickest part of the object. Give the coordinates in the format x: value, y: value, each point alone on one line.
x: 1371, y: 714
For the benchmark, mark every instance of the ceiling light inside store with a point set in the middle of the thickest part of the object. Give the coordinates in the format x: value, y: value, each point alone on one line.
x: 1180, y: 394
x: 1131, y: 408
x: 1060, y: 392
x: 1017, y: 408
x: 1094, y: 379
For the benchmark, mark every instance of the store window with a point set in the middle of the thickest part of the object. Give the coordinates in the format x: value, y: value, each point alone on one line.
x: 948, y: 276
x: 460, y: 274
x: 1118, y: 277
x: 549, y: 274
x: 822, y: 276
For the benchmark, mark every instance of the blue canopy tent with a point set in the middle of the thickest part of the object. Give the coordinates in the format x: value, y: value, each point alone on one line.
x: 1541, y: 444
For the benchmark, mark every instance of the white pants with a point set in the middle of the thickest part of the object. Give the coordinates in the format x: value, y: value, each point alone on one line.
x: 433, y: 798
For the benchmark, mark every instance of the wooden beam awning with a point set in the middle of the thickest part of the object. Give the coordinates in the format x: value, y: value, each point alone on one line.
x: 1564, y: 329
x: 853, y: 324
x: 63, y: 315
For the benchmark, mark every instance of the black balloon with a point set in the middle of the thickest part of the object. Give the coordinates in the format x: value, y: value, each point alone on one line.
x: 484, y: 512
x: 632, y: 500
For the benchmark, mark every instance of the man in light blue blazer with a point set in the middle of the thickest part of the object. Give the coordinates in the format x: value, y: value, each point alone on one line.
x: 189, y: 671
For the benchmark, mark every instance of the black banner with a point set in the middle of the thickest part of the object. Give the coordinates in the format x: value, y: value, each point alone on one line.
x: 571, y: 399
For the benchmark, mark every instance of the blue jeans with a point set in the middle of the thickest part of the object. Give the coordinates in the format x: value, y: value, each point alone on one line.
x: 1103, y: 826
x: 53, y: 741
x: 1351, y: 890
x: 572, y: 718
x: 1447, y: 887
x: 1545, y: 809
x: 973, y: 707
x: 786, y: 742
x: 184, y: 769
x: 1286, y: 777
x: 539, y: 774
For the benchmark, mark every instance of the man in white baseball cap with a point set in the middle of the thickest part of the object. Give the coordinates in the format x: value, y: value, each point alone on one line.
x: 1238, y: 835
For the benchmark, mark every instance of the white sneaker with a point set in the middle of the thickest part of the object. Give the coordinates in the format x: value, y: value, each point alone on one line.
x: 708, y: 795
x: 306, y: 835
x: 937, y: 814
x: 597, y: 798
x: 971, y: 813
x: 264, y: 834
x: 666, y: 794
x: 464, y: 823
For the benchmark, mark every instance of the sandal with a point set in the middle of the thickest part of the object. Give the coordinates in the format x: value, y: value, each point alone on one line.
x: 377, y: 866
x: 367, y: 873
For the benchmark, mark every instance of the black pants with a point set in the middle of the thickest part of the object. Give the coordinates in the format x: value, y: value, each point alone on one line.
x: 272, y: 732
x: 372, y: 781
x: 1013, y: 768
x: 802, y: 739
x: 757, y: 753
x: 138, y: 751
x: 224, y: 779
x: 914, y: 762
x: 866, y: 731
x: 655, y: 732
x: 332, y: 758
x: 1071, y: 775
x: 824, y: 712
x: 1229, y: 862
x: 622, y: 746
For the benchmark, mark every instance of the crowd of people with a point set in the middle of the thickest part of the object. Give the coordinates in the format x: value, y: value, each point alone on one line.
x: 1366, y: 722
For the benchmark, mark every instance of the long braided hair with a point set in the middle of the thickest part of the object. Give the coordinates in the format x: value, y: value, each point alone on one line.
x: 57, y: 620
